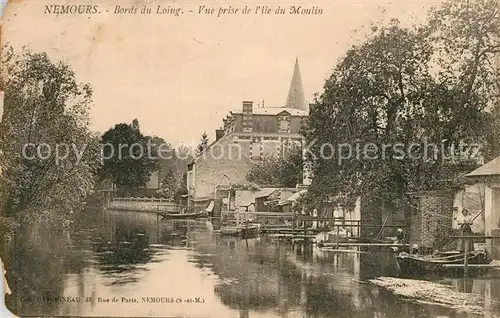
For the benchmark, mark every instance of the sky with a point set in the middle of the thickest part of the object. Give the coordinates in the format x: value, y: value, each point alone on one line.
x: 180, y: 76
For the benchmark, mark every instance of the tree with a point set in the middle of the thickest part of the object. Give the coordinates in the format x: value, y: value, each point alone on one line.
x: 48, y: 153
x: 168, y: 184
x: 128, y: 157
x: 426, y: 85
x: 173, y: 166
x: 286, y: 171
x: 181, y: 191
x: 203, y: 143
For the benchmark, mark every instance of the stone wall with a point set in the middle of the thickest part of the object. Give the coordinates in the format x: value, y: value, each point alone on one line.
x: 296, y: 124
x: 371, y: 217
x: 431, y: 222
x: 265, y: 124
x: 222, y: 159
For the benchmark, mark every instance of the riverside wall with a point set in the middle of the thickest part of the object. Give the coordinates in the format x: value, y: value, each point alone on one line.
x: 141, y: 205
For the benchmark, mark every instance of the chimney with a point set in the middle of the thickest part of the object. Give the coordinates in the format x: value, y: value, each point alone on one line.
x: 247, y: 107
x: 247, y: 121
x: 219, y: 133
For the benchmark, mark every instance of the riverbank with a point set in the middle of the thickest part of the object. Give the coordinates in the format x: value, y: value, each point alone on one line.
x: 432, y: 293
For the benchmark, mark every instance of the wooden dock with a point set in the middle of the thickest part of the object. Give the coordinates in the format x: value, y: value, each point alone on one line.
x: 472, y: 265
x: 292, y: 236
x: 365, y: 244
x: 466, y: 264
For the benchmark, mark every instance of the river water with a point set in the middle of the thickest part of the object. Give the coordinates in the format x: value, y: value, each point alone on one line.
x: 133, y: 265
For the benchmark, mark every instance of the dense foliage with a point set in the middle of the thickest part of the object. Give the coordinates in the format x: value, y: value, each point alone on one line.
x: 276, y: 171
x: 129, y: 157
x: 425, y: 85
x: 45, y: 111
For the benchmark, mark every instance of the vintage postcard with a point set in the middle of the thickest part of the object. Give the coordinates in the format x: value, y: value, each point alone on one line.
x: 254, y: 158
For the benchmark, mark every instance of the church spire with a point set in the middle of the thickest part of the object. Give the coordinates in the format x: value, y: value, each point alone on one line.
x: 295, y: 98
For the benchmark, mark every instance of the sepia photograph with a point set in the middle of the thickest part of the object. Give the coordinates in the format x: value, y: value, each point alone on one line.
x: 250, y: 159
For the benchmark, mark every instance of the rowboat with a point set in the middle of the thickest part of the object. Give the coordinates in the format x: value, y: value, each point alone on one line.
x: 179, y: 216
x: 439, y: 262
x: 242, y: 230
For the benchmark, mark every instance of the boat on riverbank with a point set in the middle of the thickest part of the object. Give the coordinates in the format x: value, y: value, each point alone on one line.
x: 444, y: 262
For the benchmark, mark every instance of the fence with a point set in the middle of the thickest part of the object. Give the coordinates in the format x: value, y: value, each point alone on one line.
x: 301, y: 222
x: 144, y: 199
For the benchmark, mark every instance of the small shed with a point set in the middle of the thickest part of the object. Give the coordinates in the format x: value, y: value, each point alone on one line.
x: 489, y: 175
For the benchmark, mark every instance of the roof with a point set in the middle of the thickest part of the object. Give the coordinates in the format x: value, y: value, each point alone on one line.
x: 461, y: 181
x: 274, y: 111
x: 295, y: 98
x: 491, y: 168
x: 204, y: 150
x: 288, y: 196
x: 265, y: 192
x: 202, y: 154
x: 285, y: 194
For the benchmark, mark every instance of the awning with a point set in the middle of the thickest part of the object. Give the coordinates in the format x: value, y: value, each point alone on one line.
x: 265, y: 192
x: 210, y: 206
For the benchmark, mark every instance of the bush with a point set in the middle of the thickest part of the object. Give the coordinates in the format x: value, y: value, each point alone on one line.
x: 8, y: 227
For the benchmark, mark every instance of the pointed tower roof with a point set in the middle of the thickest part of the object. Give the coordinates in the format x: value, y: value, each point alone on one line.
x: 295, y: 98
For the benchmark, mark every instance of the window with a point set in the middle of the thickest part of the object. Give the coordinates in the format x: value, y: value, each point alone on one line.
x: 256, y: 151
x: 284, y: 125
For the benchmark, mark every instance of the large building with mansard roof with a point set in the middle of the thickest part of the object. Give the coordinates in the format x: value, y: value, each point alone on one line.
x: 248, y: 134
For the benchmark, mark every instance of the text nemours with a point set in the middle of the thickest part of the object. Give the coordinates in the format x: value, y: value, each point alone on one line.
x: 71, y: 9
x: 150, y: 300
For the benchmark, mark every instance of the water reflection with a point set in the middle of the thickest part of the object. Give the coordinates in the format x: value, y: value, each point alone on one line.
x: 135, y: 255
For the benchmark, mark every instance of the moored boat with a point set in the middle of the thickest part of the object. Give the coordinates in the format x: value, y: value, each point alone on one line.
x: 184, y: 215
x: 242, y: 230
x: 440, y: 262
